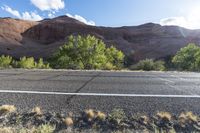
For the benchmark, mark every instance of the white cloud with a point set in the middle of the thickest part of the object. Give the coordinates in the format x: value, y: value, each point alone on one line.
x: 187, y: 22
x: 81, y: 19
x: 11, y: 11
x: 31, y: 16
x: 47, y: 5
x: 24, y: 15
x: 179, y: 21
x: 191, y: 20
x: 51, y: 15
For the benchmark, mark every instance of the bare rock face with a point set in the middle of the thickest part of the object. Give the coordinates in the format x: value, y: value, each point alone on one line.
x: 11, y: 30
x: 41, y: 39
x: 11, y: 34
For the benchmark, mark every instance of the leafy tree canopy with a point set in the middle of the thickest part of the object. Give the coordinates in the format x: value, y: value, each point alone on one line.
x: 87, y: 53
x: 188, y: 58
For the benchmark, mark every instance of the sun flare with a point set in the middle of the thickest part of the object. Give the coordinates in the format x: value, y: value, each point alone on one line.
x: 190, y: 19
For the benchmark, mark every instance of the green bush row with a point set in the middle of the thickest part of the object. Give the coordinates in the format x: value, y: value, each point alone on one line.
x: 88, y: 52
x: 24, y: 62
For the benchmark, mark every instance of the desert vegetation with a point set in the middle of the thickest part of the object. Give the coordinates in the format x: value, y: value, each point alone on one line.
x: 149, y: 65
x: 93, y: 121
x: 5, y: 61
x: 87, y: 53
x: 30, y: 63
x: 24, y: 62
x: 79, y: 52
x: 187, y: 58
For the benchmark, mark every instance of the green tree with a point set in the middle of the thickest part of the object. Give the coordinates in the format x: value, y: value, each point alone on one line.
x: 197, y: 61
x: 86, y: 53
x: 115, y: 57
x: 188, y: 58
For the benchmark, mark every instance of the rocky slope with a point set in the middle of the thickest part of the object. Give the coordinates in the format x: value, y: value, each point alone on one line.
x: 41, y: 39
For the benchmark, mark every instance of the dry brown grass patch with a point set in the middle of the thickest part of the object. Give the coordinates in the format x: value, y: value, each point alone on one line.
x: 37, y: 110
x: 7, y: 109
x: 90, y: 114
x: 6, y: 130
x: 68, y: 121
x: 101, y: 115
x: 188, y: 116
x: 164, y: 115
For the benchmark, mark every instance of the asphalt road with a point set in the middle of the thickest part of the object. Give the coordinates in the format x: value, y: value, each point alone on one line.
x: 135, y: 92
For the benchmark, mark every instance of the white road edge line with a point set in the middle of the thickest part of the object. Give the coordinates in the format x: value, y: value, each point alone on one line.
x: 100, y: 94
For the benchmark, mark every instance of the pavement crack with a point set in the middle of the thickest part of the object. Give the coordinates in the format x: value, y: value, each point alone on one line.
x: 80, y: 88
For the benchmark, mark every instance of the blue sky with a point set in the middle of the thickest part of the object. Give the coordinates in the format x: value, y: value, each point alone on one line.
x: 185, y: 13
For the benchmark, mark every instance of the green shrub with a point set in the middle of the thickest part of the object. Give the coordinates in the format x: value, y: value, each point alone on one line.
x: 188, y: 58
x: 30, y: 63
x: 42, y: 65
x: 5, y: 61
x: 26, y: 62
x: 47, y: 128
x: 87, y: 53
x: 148, y: 65
x: 117, y: 116
x: 159, y: 65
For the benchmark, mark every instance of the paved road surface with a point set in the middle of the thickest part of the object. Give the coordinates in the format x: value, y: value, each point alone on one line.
x: 63, y: 91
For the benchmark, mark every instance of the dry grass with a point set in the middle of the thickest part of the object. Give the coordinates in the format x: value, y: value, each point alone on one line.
x: 6, y: 130
x: 164, y: 115
x: 95, y: 121
x: 68, y: 121
x: 90, y: 114
x: 188, y: 117
x: 101, y: 115
x: 192, y: 117
x: 7, y: 109
x: 37, y: 110
x: 41, y: 129
x: 144, y: 119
